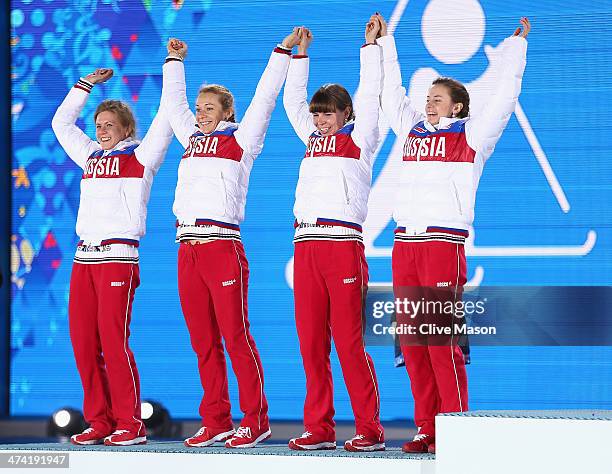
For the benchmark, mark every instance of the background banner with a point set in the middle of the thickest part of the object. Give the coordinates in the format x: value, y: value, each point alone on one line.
x: 543, y: 214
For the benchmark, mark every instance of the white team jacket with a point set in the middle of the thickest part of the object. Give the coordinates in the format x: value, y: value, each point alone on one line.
x: 213, y: 175
x: 116, y: 183
x: 438, y: 182
x: 336, y: 172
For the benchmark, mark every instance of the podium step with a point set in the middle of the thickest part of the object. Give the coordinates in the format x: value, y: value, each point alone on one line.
x: 524, y: 442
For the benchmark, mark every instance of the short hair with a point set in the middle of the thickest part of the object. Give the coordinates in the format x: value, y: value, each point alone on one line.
x: 123, y: 113
x: 225, y: 97
x: 331, y: 98
x: 458, y: 93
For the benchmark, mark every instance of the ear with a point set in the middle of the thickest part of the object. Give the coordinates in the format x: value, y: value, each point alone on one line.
x: 347, y: 113
x: 457, y: 108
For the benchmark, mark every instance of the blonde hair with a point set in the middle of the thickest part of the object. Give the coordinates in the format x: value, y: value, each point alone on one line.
x: 225, y: 97
x: 123, y: 113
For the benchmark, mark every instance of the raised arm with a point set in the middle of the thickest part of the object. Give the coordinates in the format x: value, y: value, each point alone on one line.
x: 483, y: 131
x: 296, y: 94
x: 253, y: 126
x: 77, y: 145
x: 394, y: 102
x: 367, y: 101
x: 152, y: 149
x: 174, y: 94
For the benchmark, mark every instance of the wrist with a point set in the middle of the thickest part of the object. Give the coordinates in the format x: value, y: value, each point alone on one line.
x: 175, y: 55
x: 84, y: 85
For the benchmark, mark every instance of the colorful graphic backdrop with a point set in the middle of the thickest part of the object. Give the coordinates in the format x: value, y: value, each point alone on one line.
x: 543, y: 215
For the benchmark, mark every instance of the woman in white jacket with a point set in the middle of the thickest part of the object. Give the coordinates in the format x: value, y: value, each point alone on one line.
x: 117, y: 175
x: 330, y: 269
x: 444, y: 155
x: 213, y: 272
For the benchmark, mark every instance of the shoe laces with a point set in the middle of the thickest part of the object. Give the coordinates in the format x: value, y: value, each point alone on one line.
x: 88, y: 430
x: 120, y: 432
x: 420, y: 437
x: 243, y: 432
x: 200, y: 432
x: 306, y: 434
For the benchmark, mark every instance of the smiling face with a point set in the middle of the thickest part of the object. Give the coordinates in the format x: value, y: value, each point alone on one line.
x: 440, y: 104
x: 328, y: 123
x: 331, y: 108
x: 109, y: 130
x: 209, y: 112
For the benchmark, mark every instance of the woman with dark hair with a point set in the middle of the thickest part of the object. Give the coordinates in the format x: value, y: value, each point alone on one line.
x: 118, y: 172
x: 213, y: 271
x: 444, y: 154
x: 330, y: 269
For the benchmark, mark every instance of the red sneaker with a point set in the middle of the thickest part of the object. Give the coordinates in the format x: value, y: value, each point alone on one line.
x: 362, y: 443
x: 88, y: 437
x: 125, y: 438
x: 247, y: 438
x: 206, y: 436
x: 419, y: 444
x: 308, y: 442
x: 431, y: 449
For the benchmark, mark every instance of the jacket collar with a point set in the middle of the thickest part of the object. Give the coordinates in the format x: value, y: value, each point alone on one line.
x: 445, y: 122
x: 350, y: 122
x: 122, y: 145
x: 222, y: 125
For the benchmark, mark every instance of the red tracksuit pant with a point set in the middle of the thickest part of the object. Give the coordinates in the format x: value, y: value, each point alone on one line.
x: 213, y: 281
x: 437, y: 372
x: 330, y: 283
x: 99, y: 308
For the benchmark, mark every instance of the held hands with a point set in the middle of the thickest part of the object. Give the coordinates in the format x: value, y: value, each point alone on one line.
x: 294, y: 38
x: 305, y: 41
x: 177, y: 48
x: 375, y: 28
x: 383, y: 25
x: 526, y: 28
x: 372, y: 29
x: 99, y: 76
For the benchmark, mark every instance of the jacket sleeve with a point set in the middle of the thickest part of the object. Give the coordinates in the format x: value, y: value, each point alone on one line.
x: 483, y: 131
x: 77, y: 145
x: 152, y: 149
x: 253, y: 126
x: 295, y: 98
x: 367, y: 99
x: 174, y: 101
x: 396, y: 106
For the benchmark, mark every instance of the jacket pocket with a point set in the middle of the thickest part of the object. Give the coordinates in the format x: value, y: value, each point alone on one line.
x: 126, y: 206
x: 226, y: 210
x: 104, y: 208
x: 345, y: 188
x: 457, y: 200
